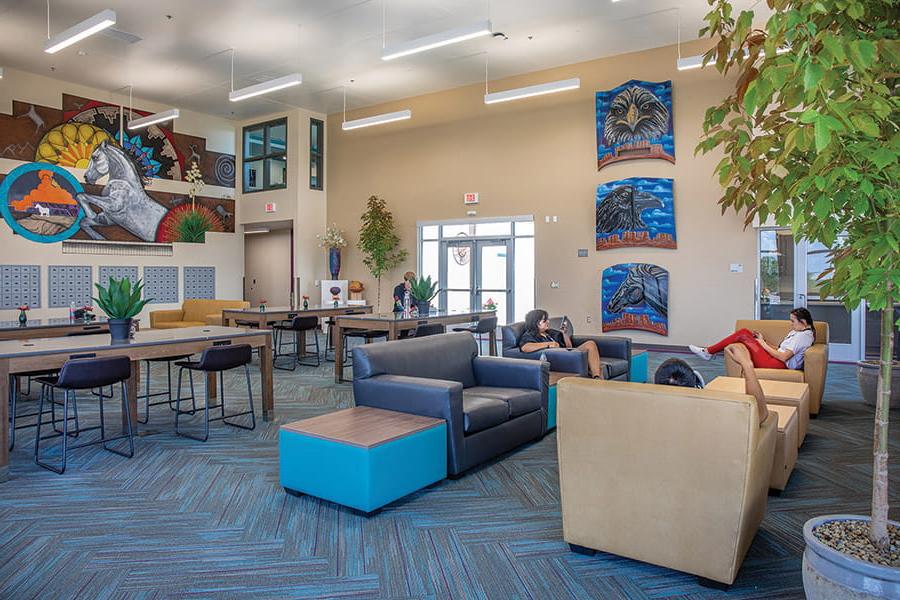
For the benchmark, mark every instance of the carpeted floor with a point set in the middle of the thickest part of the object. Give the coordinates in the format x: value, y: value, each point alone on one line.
x: 185, y: 519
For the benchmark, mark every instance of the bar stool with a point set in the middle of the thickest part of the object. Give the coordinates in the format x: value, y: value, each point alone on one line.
x: 13, y: 406
x: 147, y: 395
x: 217, y: 359
x: 427, y: 329
x: 350, y: 333
x: 85, y: 374
x: 299, y: 325
x: 480, y: 327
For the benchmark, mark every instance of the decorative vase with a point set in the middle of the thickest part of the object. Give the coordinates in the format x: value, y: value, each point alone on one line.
x: 867, y: 376
x: 23, y: 318
x: 334, y: 262
x: 262, y: 308
x: 119, y: 330
x: 829, y: 574
x: 305, y: 304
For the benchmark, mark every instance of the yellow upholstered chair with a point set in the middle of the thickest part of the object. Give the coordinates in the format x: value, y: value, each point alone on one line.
x: 815, y: 361
x: 193, y: 313
x: 676, y: 477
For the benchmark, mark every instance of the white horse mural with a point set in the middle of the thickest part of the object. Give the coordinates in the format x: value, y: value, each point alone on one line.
x: 123, y: 201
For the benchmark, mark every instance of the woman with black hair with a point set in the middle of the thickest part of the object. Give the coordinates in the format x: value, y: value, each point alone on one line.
x: 788, y: 354
x: 539, y: 336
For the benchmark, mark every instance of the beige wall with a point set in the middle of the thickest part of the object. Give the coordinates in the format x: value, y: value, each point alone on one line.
x: 267, y: 267
x: 538, y: 156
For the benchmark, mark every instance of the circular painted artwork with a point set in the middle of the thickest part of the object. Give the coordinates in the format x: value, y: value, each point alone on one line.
x: 38, y: 202
x: 70, y: 145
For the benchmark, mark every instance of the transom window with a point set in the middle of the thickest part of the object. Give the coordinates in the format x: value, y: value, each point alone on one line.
x: 265, y: 156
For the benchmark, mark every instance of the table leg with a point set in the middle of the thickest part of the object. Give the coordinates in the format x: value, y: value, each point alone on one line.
x: 337, y: 339
x: 393, y: 332
x: 265, y: 371
x: 4, y: 420
x: 492, y: 340
x: 133, y: 385
x: 226, y: 320
x: 211, y: 385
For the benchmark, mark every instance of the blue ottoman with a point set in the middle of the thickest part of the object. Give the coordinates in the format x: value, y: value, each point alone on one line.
x: 362, y: 457
x: 555, y: 376
x: 640, y: 366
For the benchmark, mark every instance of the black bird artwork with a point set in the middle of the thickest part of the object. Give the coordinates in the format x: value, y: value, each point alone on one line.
x: 635, y: 114
x: 621, y: 209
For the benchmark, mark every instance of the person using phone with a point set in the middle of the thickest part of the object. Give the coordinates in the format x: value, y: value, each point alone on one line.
x: 538, y: 336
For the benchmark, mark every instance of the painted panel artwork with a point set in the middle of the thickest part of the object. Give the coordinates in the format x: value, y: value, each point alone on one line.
x: 634, y: 121
x: 635, y: 296
x: 638, y: 211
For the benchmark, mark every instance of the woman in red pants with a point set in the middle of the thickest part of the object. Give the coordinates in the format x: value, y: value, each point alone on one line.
x: 788, y: 354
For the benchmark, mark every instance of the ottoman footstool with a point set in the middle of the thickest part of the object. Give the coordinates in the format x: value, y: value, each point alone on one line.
x: 785, y: 445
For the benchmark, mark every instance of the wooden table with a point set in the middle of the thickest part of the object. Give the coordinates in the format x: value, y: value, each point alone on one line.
x: 393, y: 323
x: 284, y: 313
x: 785, y: 393
x: 28, y: 355
x: 47, y: 328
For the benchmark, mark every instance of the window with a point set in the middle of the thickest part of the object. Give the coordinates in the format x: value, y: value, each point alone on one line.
x: 316, y: 154
x: 265, y: 156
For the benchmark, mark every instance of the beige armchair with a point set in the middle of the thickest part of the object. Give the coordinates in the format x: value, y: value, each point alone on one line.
x: 193, y: 313
x: 815, y: 361
x: 677, y: 477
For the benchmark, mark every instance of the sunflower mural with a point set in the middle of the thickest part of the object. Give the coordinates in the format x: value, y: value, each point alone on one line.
x: 70, y: 145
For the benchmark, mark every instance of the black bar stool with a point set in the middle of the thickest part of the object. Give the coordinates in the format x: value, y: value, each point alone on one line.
x: 479, y: 328
x: 85, y: 374
x: 14, y: 401
x: 429, y: 329
x: 299, y: 325
x: 368, y: 336
x: 217, y: 359
x: 168, y: 393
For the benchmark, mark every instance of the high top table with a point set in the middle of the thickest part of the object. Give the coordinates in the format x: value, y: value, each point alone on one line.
x: 42, y: 354
x: 284, y: 313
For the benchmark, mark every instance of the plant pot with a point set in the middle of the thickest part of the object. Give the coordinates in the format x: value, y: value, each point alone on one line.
x: 334, y: 262
x: 424, y: 306
x: 119, y: 330
x: 867, y: 376
x: 830, y: 575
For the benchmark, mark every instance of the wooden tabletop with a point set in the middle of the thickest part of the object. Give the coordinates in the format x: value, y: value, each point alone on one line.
x: 49, y: 323
x: 299, y: 310
x: 774, y: 390
x: 362, y: 426
x: 435, y: 315
x: 785, y: 414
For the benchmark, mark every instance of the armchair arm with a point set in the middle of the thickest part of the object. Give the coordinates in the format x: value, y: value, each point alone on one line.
x: 567, y: 360
x: 815, y: 367
x: 510, y: 372
x: 165, y: 316
x: 610, y: 346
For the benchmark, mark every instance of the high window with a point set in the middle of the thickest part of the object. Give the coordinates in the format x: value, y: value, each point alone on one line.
x: 316, y: 154
x: 265, y: 156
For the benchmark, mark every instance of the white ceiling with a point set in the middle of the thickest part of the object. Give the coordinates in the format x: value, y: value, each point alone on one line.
x: 184, y: 61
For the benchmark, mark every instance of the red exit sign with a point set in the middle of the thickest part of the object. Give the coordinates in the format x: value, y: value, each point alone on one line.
x: 270, y: 207
x: 470, y: 198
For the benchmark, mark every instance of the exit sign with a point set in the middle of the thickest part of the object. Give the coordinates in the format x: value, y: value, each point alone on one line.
x: 470, y: 198
x: 270, y: 207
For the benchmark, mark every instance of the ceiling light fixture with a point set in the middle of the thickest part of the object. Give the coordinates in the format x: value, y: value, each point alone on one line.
x: 540, y: 89
x: 696, y: 62
x: 1, y: 72
x: 76, y: 33
x: 437, y: 40
x: 265, y: 87
x: 153, y: 119
x: 400, y: 115
x: 250, y: 231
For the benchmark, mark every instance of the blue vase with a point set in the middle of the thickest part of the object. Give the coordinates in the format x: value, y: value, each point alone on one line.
x: 334, y: 262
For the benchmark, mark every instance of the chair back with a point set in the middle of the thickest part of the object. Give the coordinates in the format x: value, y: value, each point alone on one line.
x: 556, y: 323
x: 448, y: 357
x: 304, y: 323
x: 775, y: 330
x: 87, y: 373
x: 486, y: 325
x: 222, y: 358
x: 429, y: 329
x: 511, y: 334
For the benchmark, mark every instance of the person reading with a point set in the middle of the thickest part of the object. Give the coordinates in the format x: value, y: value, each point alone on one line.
x: 538, y: 336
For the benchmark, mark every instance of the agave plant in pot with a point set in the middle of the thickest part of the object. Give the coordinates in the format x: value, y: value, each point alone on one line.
x: 423, y: 292
x: 121, y: 302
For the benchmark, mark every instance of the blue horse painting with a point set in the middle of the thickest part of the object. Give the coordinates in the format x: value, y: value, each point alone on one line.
x: 634, y: 120
x: 635, y: 296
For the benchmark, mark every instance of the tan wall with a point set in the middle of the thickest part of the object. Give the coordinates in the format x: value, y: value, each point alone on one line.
x: 538, y: 156
x: 267, y: 267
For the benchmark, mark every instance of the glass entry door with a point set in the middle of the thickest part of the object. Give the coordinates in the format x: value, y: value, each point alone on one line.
x: 477, y: 271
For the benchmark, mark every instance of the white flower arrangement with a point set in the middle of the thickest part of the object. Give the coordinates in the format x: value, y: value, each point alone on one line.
x: 333, y: 238
x: 195, y: 178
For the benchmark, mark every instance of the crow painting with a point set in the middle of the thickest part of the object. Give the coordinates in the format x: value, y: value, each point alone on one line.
x: 637, y: 211
x: 621, y: 209
x: 634, y: 120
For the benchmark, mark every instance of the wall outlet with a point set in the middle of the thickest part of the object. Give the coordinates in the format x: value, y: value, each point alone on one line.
x: 554, y: 285
x: 737, y: 268
x: 589, y: 318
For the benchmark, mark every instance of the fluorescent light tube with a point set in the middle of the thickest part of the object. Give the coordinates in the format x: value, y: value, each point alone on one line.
x: 691, y: 62
x: 265, y: 87
x: 436, y: 40
x: 76, y: 33
x: 533, y: 90
x: 249, y: 231
x: 153, y: 119
x: 400, y: 115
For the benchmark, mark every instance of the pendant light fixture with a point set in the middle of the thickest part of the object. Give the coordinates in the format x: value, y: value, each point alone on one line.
x: 540, y: 89
x: 79, y: 31
x: 141, y: 122
x: 400, y: 115
x: 430, y: 42
x: 265, y: 87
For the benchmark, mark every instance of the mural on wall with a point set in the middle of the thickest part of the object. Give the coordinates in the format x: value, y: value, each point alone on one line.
x: 635, y: 296
x: 638, y: 211
x: 85, y: 134
x: 634, y: 120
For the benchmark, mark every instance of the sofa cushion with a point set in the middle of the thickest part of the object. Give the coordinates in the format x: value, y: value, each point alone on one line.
x: 179, y: 324
x: 447, y: 356
x: 482, y: 413
x: 614, y: 367
x: 519, y: 400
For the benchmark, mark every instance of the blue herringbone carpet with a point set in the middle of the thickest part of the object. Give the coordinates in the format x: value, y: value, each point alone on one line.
x: 183, y: 519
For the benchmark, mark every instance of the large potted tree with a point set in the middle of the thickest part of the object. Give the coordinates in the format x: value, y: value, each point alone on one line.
x: 378, y: 241
x: 810, y: 137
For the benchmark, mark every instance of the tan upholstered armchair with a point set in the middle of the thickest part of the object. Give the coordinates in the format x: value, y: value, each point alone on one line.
x: 193, y: 313
x: 677, y: 477
x: 815, y: 361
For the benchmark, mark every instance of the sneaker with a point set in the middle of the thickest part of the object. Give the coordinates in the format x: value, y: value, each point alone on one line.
x: 700, y: 352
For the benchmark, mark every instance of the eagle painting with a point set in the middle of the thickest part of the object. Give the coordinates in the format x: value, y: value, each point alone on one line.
x: 634, y: 120
x: 638, y: 211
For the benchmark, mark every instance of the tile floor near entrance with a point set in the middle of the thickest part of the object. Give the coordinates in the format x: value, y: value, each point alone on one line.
x: 183, y: 519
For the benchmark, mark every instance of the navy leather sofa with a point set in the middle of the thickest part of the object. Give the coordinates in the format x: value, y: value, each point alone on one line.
x: 615, y: 351
x: 491, y: 404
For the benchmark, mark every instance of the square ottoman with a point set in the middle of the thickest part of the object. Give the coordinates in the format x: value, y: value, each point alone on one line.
x: 784, y: 393
x: 785, y: 445
x: 640, y: 366
x: 555, y: 376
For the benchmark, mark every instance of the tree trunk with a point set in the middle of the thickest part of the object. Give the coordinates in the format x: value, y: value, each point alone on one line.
x: 878, y: 531
x: 378, y: 295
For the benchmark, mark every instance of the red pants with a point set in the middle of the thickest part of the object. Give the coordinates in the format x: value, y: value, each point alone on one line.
x: 761, y: 359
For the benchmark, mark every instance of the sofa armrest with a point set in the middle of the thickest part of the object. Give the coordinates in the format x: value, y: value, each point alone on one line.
x: 493, y: 371
x: 567, y: 360
x: 610, y: 346
x: 515, y: 352
x: 165, y: 316
x: 815, y: 368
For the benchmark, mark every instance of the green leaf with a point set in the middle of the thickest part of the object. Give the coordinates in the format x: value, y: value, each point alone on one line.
x: 862, y: 53
x: 750, y: 96
x: 823, y: 135
x: 812, y: 75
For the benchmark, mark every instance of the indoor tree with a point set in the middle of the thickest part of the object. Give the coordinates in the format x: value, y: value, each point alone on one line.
x: 810, y: 137
x: 378, y: 241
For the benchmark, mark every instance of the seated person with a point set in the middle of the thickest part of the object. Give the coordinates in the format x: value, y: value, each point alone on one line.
x: 788, y: 355
x: 675, y: 371
x: 400, y: 290
x: 538, y: 336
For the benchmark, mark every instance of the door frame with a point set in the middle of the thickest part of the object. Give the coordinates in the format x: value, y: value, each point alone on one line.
x: 476, y: 291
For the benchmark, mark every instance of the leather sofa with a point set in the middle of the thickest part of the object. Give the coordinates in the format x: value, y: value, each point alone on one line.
x: 615, y: 351
x: 815, y: 361
x: 492, y: 405
x: 672, y: 476
x: 193, y: 313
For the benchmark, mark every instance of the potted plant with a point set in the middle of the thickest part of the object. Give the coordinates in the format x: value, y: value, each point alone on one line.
x: 423, y: 292
x: 867, y: 373
x: 810, y: 139
x: 490, y: 304
x: 334, y: 241
x: 121, y: 302
x: 378, y: 241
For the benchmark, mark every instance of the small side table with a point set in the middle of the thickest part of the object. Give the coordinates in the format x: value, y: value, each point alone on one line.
x: 640, y: 366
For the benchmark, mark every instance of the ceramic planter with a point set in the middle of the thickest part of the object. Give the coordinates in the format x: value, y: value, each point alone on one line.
x: 424, y: 306
x: 119, y: 330
x: 832, y: 575
x: 867, y: 376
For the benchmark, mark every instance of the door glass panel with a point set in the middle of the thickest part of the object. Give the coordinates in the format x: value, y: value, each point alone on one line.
x: 497, y: 229
x: 430, y: 232
x: 776, y: 266
x: 458, y: 301
x: 524, y: 278
x: 463, y: 230
x: 524, y: 227
x: 493, y: 267
x: 459, y: 268
x: 430, y: 261
x: 826, y: 308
